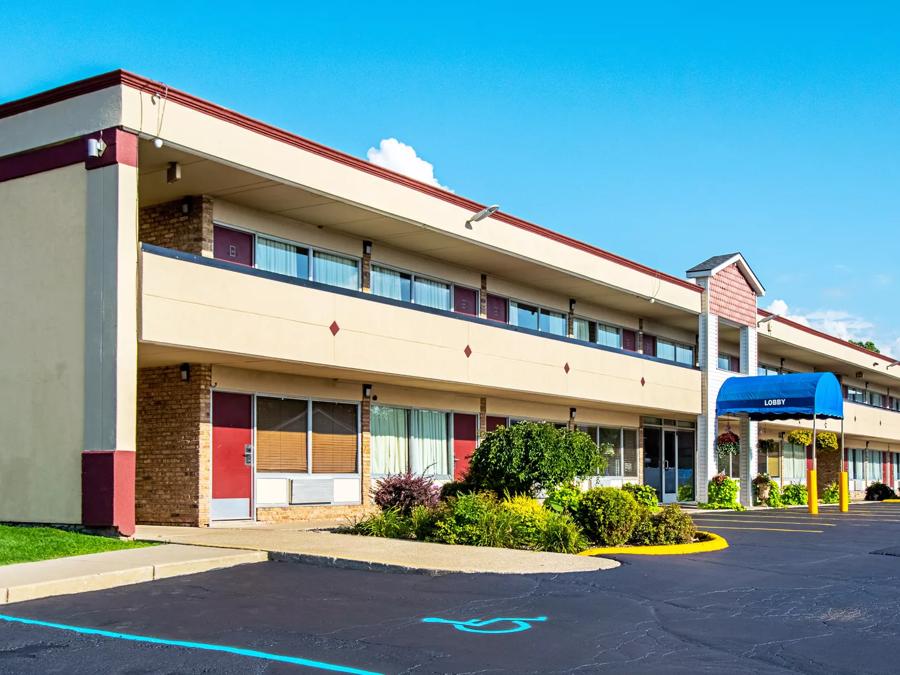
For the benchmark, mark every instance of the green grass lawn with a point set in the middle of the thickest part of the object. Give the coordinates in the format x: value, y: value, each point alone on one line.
x: 25, y: 544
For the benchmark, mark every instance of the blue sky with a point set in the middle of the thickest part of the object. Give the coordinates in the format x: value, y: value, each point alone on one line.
x: 664, y: 132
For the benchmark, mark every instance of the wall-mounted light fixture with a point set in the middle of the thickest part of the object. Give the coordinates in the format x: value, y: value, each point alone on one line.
x: 891, y: 365
x: 481, y: 215
x: 96, y: 147
x: 186, y: 206
x: 173, y: 172
x: 367, y: 391
x: 572, y: 412
x: 571, y: 304
x: 185, y: 369
x: 367, y: 247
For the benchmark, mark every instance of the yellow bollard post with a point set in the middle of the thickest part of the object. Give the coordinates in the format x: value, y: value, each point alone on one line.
x: 812, y: 488
x: 845, y: 492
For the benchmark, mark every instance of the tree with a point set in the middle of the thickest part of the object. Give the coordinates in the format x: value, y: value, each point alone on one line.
x: 531, y: 456
x: 868, y: 344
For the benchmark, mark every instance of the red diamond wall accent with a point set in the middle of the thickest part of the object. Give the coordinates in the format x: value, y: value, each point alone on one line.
x: 467, y: 351
x: 566, y: 368
x: 334, y: 328
x: 643, y: 382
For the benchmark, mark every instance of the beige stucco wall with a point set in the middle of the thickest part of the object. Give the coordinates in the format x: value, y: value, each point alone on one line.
x: 42, y: 231
x: 190, y: 305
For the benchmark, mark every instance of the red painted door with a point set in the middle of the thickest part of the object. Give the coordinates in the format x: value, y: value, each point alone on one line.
x: 231, y: 452
x: 497, y: 308
x: 233, y: 246
x: 465, y: 432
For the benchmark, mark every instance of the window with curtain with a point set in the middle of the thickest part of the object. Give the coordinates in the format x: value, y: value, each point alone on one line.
x: 524, y: 316
x: 724, y: 362
x: 431, y: 293
x: 856, y: 395
x: 876, y: 399
x: 609, y: 336
x: 390, y: 440
x: 873, y: 466
x: 390, y: 283
x: 335, y: 270
x: 552, y: 322
x: 630, y: 453
x: 613, y: 437
x: 430, y: 443
x: 282, y: 258
x: 794, y: 464
x: 334, y: 437
x: 281, y: 432
x: 856, y: 461
x: 581, y: 329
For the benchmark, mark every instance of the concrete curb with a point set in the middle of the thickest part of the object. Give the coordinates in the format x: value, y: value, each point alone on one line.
x: 40, y: 580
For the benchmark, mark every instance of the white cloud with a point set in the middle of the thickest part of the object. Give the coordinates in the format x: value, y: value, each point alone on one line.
x: 402, y: 158
x: 841, y: 324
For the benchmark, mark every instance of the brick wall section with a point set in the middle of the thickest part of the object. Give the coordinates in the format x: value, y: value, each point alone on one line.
x: 167, y: 225
x: 365, y: 417
x: 731, y: 297
x: 285, y: 514
x: 482, y: 298
x: 828, y: 468
x: 172, y: 477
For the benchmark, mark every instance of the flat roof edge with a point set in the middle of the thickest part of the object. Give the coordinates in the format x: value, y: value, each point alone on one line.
x: 122, y: 77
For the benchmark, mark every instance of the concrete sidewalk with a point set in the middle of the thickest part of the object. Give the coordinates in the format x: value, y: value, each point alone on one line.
x: 295, y: 541
x: 96, y: 571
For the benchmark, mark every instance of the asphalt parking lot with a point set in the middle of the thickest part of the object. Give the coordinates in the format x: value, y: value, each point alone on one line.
x: 793, y: 593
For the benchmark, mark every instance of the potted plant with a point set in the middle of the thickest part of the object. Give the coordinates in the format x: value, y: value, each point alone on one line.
x: 763, y: 485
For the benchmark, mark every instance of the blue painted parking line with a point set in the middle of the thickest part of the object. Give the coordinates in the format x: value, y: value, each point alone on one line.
x: 479, y: 625
x: 237, y: 651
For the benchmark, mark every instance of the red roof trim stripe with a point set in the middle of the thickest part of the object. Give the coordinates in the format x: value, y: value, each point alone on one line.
x: 123, y: 77
x: 832, y: 338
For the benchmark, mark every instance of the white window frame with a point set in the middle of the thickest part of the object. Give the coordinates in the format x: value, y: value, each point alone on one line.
x: 410, y: 440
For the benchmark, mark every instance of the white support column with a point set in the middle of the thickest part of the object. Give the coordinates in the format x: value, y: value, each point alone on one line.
x: 708, y: 358
x: 749, y: 430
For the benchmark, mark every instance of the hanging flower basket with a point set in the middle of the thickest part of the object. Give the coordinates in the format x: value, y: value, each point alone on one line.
x: 767, y: 445
x: 800, y: 437
x: 825, y: 440
x: 728, y: 444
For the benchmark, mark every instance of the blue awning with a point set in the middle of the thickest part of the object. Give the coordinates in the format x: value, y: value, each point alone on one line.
x: 782, y: 397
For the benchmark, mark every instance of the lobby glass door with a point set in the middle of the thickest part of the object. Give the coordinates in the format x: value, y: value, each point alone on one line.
x: 669, y: 451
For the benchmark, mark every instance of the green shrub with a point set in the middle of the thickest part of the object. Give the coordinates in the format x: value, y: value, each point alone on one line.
x: 422, y: 521
x: 669, y: 525
x: 560, y: 534
x: 529, y: 520
x: 462, y: 519
x: 673, y: 526
x: 608, y: 515
x: 391, y: 524
x: 722, y: 494
x: 775, y: 500
x: 831, y: 494
x: 878, y: 491
x: 563, y: 499
x: 530, y: 456
x: 686, y: 492
x: 643, y: 494
x: 794, y: 494
x: 454, y: 488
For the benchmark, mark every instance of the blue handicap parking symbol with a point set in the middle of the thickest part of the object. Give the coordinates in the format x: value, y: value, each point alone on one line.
x: 481, y: 625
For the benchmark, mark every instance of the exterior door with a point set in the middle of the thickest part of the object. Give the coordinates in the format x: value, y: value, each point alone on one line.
x: 232, y: 456
x: 233, y: 245
x: 686, y: 466
x: 493, y: 422
x: 653, y: 458
x: 465, y: 431
x: 670, y: 467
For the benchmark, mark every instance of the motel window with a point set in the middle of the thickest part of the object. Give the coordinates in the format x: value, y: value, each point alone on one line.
x: 873, y: 466
x: 767, y: 370
x: 431, y: 293
x: 389, y: 283
x: 684, y: 354
x: 282, y: 257
x: 623, y: 463
x: 674, y: 351
x: 855, y: 464
x: 895, y: 403
x: 553, y: 322
x: 410, y: 440
x: 794, y: 463
x: 856, y: 395
x: 609, y: 336
x: 729, y: 363
x: 876, y: 399
x: 335, y: 270
x: 522, y: 315
x: 334, y: 437
x: 665, y: 350
x: 581, y: 329
x: 281, y: 434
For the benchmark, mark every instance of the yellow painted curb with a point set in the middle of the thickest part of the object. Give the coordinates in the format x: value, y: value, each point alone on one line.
x: 712, y: 542
x: 891, y: 501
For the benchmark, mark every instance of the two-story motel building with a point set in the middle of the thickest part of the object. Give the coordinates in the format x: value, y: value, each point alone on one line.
x: 207, y: 318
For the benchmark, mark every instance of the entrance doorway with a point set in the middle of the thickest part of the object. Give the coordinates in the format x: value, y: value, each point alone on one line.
x: 232, y: 456
x: 669, y: 451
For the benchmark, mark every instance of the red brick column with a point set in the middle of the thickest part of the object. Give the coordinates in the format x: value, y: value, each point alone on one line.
x: 365, y: 471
